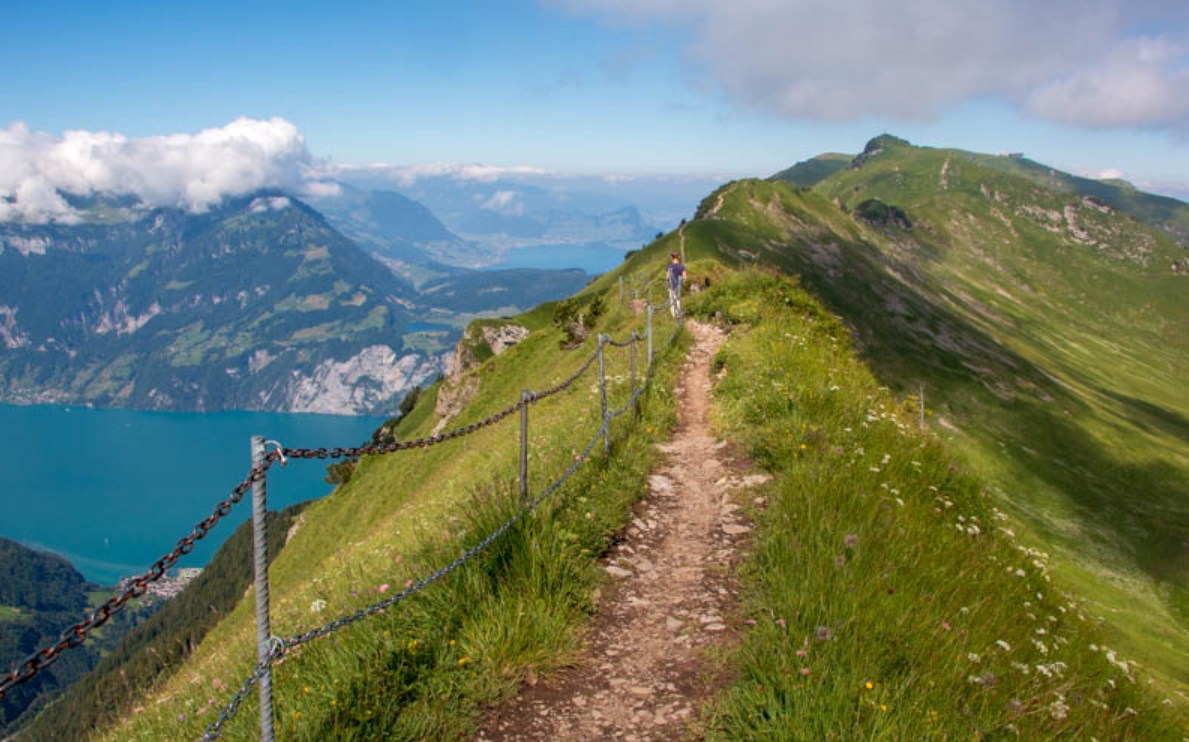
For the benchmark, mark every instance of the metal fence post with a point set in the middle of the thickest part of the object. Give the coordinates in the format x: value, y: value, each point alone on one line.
x: 649, y: 340
x: 635, y: 338
x: 263, y: 626
x: 603, y: 397
x: 621, y: 290
x: 525, y: 396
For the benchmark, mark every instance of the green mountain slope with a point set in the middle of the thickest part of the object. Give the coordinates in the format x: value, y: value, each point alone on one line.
x: 257, y: 304
x: 1049, y: 332
x: 40, y: 594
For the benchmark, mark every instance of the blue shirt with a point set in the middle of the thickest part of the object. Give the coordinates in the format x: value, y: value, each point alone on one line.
x: 676, y: 271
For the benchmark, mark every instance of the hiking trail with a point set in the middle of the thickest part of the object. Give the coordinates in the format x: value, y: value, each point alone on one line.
x: 647, y: 665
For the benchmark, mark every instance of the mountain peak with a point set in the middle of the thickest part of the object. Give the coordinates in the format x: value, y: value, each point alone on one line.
x: 879, y: 144
x: 884, y: 141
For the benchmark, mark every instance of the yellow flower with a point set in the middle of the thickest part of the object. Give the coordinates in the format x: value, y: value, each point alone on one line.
x: 463, y: 660
x: 883, y: 707
x: 869, y: 685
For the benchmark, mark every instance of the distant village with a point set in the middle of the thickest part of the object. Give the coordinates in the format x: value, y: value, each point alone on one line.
x: 168, y: 586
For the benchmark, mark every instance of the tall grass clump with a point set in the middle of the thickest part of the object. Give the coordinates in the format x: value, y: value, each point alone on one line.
x: 886, y: 598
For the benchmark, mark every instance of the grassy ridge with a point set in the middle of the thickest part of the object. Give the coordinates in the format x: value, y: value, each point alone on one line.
x: 1052, y: 364
x: 423, y: 668
x: 888, y: 597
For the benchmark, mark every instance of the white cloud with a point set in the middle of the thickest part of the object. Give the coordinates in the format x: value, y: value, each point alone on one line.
x: 408, y: 175
x: 1110, y: 173
x: 1140, y: 81
x: 504, y: 202
x: 191, y: 171
x: 1077, y: 61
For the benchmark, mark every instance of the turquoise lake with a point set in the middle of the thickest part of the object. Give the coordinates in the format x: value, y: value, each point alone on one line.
x: 114, y: 490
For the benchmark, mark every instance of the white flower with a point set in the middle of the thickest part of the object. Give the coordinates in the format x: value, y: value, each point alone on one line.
x: 318, y: 606
x: 1003, y: 645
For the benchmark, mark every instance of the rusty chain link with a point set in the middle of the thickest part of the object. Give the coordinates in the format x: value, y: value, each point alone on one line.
x: 137, y: 586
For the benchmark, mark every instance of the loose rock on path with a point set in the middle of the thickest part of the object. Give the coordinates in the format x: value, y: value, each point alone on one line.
x: 646, y: 670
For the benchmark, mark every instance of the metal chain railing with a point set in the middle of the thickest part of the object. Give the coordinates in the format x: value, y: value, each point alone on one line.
x: 281, y: 646
x: 136, y: 587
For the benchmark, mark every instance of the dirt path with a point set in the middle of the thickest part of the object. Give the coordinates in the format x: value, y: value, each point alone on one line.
x: 646, y: 669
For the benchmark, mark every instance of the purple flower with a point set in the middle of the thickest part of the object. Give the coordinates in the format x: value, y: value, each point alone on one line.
x: 824, y: 634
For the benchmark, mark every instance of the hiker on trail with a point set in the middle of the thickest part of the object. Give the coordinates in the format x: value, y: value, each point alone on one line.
x: 675, y: 272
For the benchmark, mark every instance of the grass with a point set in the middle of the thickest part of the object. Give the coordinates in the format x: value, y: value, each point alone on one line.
x: 425, y: 667
x: 887, y: 596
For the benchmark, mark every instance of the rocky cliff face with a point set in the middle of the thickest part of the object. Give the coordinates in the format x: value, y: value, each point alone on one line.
x: 373, y: 380
x: 479, y: 342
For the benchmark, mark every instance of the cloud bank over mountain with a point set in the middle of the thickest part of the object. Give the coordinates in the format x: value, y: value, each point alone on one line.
x: 1095, y: 64
x: 189, y: 171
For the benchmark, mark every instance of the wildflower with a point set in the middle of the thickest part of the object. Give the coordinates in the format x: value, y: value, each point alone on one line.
x: 318, y: 606
x: 463, y: 660
x: 750, y: 622
x: 408, y: 584
x: 1003, y: 645
x: 883, y: 707
x: 851, y: 540
x: 974, y: 657
x: 946, y: 626
x: 780, y: 622
x: 806, y: 671
x: 824, y: 633
x: 839, y: 561
x: 802, y: 653
x: 384, y: 588
x: 869, y: 685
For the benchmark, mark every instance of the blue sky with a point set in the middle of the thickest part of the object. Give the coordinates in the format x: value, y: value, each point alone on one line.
x: 611, y: 86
